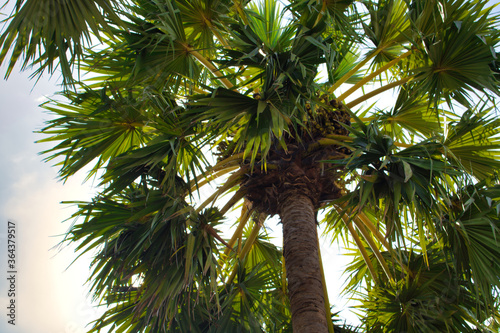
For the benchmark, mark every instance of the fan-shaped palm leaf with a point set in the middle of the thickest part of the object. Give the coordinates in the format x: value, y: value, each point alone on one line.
x: 48, y: 30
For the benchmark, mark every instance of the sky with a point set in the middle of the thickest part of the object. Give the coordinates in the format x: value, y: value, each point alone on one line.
x: 51, y: 295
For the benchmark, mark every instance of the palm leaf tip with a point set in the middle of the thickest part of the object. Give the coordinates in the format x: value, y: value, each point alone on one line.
x: 49, y: 32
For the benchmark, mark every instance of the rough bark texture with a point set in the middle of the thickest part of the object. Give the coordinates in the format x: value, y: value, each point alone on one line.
x: 295, y: 183
x: 302, y: 262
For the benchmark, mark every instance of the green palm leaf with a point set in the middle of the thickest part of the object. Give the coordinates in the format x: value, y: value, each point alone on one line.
x: 46, y: 30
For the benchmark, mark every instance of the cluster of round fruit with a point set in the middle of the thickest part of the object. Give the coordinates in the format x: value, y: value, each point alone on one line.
x: 327, y: 118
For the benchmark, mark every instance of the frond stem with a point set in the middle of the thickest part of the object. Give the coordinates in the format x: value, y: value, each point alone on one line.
x: 325, y: 291
x: 332, y: 139
x: 353, y: 71
x: 236, y: 197
x: 236, y: 157
x: 241, y: 13
x: 229, y: 164
x: 340, y: 137
x: 373, y: 75
x: 248, y: 244
x: 205, y: 62
x: 331, y: 142
x: 361, y: 248
x: 196, y: 183
x: 378, y: 91
x: 374, y: 248
x: 320, y: 16
x: 246, y: 212
x: 214, y: 233
x: 231, y: 181
x: 367, y: 223
x: 216, y: 33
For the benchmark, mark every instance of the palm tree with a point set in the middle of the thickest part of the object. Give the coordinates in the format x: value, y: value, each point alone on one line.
x: 287, y: 108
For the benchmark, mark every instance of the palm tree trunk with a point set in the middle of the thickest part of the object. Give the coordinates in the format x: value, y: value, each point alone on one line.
x: 303, y: 271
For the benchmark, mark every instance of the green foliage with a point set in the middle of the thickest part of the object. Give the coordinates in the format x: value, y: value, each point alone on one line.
x: 426, y: 298
x: 178, y: 94
x: 48, y: 31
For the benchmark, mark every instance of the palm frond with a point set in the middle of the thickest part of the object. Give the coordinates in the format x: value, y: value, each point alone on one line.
x: 95, y: 127
x: 48, y: 33
x: 457, y: 59
x: 473, y: 143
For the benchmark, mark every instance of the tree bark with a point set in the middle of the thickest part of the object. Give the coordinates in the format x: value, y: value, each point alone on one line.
x: 300, y: 249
